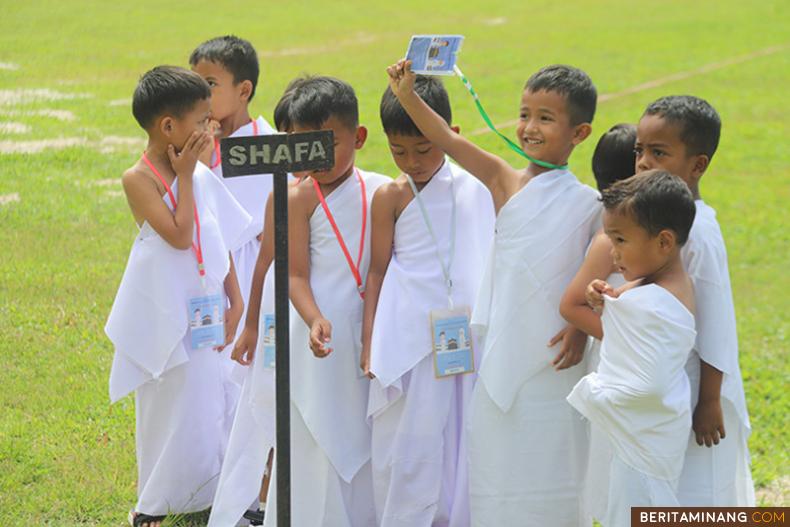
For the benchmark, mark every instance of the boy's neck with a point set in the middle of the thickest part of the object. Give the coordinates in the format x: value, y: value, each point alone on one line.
x: 421, y: 184
x: 533, y: 169
x: 230, y: 124
x: 157, y: 155
x: 327, y: 188
x: 668, y: 272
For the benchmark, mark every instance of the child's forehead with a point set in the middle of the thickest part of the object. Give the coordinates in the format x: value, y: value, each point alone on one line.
x: 334, y: 122
x: 549, y: 99
x: 657, y: 127
x: 395, y: 138
x: 210, y: 68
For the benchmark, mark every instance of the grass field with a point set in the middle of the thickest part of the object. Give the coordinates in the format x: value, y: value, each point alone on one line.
x: 67, y: 71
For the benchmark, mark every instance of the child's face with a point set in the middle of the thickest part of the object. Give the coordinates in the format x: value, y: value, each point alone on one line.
x: 178, y: 129
x: 659, y: 146
x: 544, y: 128
x: 227, y: 96
x: 635, y: 252
x: 347, y: 141
x: 415, y: 156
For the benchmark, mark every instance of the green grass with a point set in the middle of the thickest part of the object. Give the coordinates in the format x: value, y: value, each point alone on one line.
x: 66, y: 455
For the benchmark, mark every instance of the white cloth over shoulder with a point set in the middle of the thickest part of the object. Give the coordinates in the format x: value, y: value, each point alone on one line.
x: 640, y: 394
x: 148, y: 320
x: 705, y: 258
x: 414, y: 284
x: 252, y: 435
x: 331, y: 393
x: 250, y: 191
x: 541, y: 235
x: 720, y: 475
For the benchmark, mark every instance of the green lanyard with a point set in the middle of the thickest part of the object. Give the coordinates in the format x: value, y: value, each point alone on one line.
x: 487, y: 119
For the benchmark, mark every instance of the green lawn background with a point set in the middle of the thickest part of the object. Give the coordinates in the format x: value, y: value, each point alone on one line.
x: 66, y: 455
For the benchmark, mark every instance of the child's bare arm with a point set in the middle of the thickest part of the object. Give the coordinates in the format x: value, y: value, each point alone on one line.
x: 708, y: 421
x: 244, y: 350
x: 299, y: 269
x: 597, y: 266
x: 382, y: 213
x: 500, y: 178
x: 147, y: 204
x: 236, y: 309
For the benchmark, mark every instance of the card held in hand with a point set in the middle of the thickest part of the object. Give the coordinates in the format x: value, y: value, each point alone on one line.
x: 434, y: 54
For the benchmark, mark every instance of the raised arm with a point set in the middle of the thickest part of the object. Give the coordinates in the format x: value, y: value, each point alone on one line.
x: 500, y: 178
x: 146, y: 203
x: 382, y: 213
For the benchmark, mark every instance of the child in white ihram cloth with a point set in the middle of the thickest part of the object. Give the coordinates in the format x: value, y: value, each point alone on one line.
x: 613, y: 160
x: 639, y: 397
x: 431, y: 230
x: 247, y: 465
x: 329, y: 236
x: 681, y: 134
x: 527, y: 447
x: 179, y: 263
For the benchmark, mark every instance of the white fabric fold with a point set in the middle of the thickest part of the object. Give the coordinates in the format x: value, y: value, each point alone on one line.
x: 541, y: 235
x: 330, y: 393
x: 414, y: 284
x: 640, y: 394
x: 148, y: 320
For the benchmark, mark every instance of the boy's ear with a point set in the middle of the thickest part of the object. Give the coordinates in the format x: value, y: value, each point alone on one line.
x: 361, y: 137
x: 667, y: 240
x: 245, y: 90
x: 456, y: 129
x: 166, y: 126
x: 581, y: 132
x: 701, y: 163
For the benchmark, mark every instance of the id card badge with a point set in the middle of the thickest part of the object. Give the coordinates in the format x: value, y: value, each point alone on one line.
x: 452, y: 342
x: 206, y: 314
x: 268, y: 341
x: 434, y: 54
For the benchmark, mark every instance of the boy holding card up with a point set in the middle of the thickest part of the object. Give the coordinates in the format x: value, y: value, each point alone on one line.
x: 526, y: 446
x: 431, y: 228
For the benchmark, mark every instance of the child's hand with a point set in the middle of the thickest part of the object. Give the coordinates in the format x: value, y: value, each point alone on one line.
x: 364, y: 363
x: 232, y: 317
x: 401, y: 77
x: 594, y: 294
x: 244, y: 350
x: 320, y: 336
x: 184, y: 162
x: 572, y: 349
x: 708, y: 423
x: 213, y: 129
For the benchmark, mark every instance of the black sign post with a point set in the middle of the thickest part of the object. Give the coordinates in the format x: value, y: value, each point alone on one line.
x: 279, y: 154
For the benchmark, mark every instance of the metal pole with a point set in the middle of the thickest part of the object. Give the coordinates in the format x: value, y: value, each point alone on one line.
x: 282, y: 359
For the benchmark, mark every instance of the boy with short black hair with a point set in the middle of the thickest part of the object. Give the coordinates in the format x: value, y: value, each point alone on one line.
x: 527, y: 447
x: 329, y: 236
x: 247, y: 467
x: 179, y: 260
x: 425, y: 256
x: 681, y: 134
x: 229, y: 65
x: 639, y: 395
x: 613, y: 160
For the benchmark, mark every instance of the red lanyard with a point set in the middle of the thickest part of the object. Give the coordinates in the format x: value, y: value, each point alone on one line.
x: 218, y: 155
x: 197, y: 248
x: 354, y: 268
